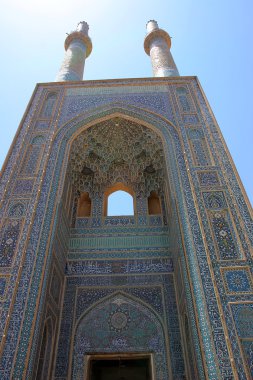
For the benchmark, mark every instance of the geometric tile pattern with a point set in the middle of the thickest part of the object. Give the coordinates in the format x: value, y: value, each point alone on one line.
x: 190, y: 119
x: 208, y: 178
x: 198, y: 147
x: 17, y: 208
x: 237, y: 280
x: 224, y: 236
x: 3, y: 286
x: 23, y: 186
x: 8, y: 241
x: 156, y: 102
x: 214, y: 200
x: 85, y: 292
x: 199, y: 151
x: 119, y: 325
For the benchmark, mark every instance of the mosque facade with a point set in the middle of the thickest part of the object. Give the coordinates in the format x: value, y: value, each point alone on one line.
x: 165, y: 293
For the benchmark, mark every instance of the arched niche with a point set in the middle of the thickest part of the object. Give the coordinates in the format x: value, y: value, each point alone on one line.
x: 48, y: 105
x: 154, y: 204
x: 113, y: 189
x: 84, y: 205
x: 120, y: 325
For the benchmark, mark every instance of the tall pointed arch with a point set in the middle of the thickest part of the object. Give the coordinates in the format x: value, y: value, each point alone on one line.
x: 119, y: 324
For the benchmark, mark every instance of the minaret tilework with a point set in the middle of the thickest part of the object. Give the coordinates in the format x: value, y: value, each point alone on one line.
x: 78, y: 47
x: 157, y: 44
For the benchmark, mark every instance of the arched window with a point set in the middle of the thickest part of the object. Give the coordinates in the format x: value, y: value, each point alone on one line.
x: 183, y: 99
x: 84, y: 206
x: 154, y: 204
x: 48, y: 106
x: 119, y: 201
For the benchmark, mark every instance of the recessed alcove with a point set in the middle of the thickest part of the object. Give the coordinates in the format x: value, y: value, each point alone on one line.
x: 84, y: 205
x: 154, y: 204
x: 119, y: 367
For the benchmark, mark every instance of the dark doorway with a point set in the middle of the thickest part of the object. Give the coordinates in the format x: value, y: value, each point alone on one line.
x: 120, y: 368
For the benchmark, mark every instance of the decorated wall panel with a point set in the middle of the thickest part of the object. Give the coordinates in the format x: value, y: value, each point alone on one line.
x: 199, y: 149
x: 237, y: 280
x: 83, y: 294
x: 119, y: 324
x: 9, y: 240
x: 30, y: 164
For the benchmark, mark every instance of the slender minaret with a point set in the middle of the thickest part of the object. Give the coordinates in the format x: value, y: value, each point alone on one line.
x: 157, y: 44
x: 78, y: 47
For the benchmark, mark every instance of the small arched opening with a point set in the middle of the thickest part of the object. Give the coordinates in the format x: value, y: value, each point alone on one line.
x: 119, y: 200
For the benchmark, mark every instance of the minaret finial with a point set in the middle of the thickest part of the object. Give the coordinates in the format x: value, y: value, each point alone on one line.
x: 157, y: 44
x: 78, y: 47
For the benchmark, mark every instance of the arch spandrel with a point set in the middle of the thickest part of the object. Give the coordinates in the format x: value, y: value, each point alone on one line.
x: 116, y: 109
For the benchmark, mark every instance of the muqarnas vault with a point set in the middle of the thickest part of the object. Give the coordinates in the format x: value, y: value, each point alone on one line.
x: 165, y: 293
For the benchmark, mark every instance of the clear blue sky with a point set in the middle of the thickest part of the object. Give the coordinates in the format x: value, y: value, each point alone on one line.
x: 210, y: 39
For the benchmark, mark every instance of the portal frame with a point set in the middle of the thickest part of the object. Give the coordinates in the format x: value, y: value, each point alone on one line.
x: 114, y: 356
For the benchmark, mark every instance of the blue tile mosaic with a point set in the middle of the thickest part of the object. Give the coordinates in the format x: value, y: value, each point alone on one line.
x: 237, y: 280
x: 122, y: 325
x: 48, y: 106
x: 214, y: 200
x: 224, y: 236
x: 8, y: 241
x: 3, y: 285
x: 23, y: 186
x: 190, y: 119
x: 208, y: 178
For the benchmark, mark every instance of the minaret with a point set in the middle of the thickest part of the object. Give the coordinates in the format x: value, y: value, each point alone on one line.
x: 157, y: 44
x: 78, y: 47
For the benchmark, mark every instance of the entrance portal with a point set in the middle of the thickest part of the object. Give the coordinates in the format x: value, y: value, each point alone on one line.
x: 123, y: 367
